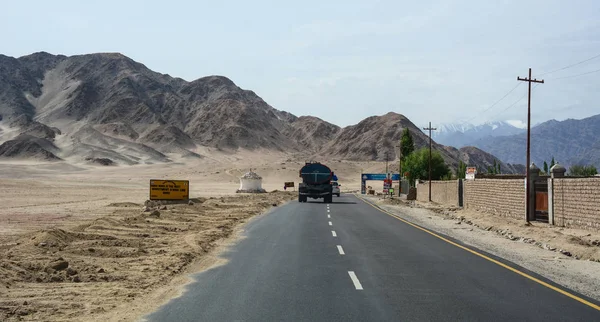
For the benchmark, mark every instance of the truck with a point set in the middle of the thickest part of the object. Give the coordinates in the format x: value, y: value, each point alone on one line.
x: 316, y: 182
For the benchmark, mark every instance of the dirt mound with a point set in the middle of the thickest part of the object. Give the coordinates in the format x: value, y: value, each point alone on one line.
x: 101, y: 265
x: 26, y: 146
x: 53, y: 238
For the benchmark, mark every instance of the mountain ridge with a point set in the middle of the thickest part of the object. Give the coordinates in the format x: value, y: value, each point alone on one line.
x: 106, y: 105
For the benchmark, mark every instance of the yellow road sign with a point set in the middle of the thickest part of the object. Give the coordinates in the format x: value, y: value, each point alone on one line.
x: 169, y: 189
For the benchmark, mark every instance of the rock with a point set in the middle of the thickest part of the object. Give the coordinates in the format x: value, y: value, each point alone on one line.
x: 76, y: 279
x: 56, y: 278
x: 71, y: 272
x: 25, y: 303
x: 39, y: 279
x: 191, y: 203
x: 22, y: 311
x: 163, y: 208
x: 43, y: 244
x: 91, y: 250
x: 59, y: 265
x: 155, y: 213
x: 274, y: 205
x: 146, y: 209
x: 566, y: 253
x: 101, y: 270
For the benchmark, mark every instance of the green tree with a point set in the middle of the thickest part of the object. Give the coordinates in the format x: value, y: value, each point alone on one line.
x: 462, y: 170
x: 417, y: 165
x: 546, y: 167
x: 582, y: 170
x: 552, y: 163
x: 407, y: 144
x: 495, y: 169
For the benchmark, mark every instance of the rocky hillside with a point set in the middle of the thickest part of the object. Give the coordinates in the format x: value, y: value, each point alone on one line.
x: 113, y: 101
x: 570, y: 142
x: 312, y: 132
x: 377, y: 137
x: 108, y: 107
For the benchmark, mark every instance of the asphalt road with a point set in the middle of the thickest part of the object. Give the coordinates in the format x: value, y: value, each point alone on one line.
x: 350, y: 262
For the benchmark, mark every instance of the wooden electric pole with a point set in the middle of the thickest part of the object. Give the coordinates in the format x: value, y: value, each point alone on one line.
x: 386, y: 164
x: 527, y: 175
x: 399, y: 146
x: 430, y: 129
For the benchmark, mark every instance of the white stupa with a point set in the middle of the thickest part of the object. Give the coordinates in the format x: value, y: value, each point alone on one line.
x: 251, y: 182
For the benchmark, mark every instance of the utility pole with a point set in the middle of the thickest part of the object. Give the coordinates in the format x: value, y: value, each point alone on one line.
x: 399, y: 146
x: 386, y: 164
x: 527, y: 175
x: 430, y: 129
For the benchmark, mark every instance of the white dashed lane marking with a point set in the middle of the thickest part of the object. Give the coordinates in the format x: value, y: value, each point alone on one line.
x: 355, y: 280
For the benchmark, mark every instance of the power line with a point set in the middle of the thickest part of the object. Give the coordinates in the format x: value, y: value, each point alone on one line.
x: 515, y: 103
x: 569, y: 66
x: 496, y: 103
x: 571, y: 76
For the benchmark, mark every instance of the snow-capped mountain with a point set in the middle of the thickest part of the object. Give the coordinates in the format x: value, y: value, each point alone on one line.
x: 464, y: 134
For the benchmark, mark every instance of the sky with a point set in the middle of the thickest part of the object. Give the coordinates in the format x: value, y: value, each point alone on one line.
x: 433, y: 61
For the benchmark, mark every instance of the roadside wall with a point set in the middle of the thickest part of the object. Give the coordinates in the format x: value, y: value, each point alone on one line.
x: 505, y: 197
x: 576, y: 202
x: 443, y: 192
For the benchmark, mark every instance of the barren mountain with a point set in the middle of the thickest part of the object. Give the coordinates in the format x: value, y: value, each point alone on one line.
x: 473, y: 156
x: 570, y: 142
x: 110, y: 108
x: 312, y: 132
x: 377, y: 137
x: 125, y: 103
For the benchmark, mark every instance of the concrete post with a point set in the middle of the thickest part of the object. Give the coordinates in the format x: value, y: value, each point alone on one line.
x: 534, y: 174
x: 557, y: 171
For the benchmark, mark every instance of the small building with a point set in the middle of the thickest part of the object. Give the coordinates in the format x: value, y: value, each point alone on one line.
x: 251, y: 182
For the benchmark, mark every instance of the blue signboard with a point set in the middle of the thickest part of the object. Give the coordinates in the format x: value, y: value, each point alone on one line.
x: 379, y: 176
x: 374, y: 176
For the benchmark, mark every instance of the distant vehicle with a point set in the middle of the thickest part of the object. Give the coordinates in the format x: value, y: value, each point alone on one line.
x: 316, y: 182
x: 336, y: 188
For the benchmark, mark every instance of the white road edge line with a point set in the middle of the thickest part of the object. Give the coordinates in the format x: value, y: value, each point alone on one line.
x: 341, y: 250
x: 355, y: 280
x: 330, y: 224
x: 333, y: 233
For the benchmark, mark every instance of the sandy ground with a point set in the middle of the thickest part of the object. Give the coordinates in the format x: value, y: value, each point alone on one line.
x: 569, y: 257
x: 76, y: 245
